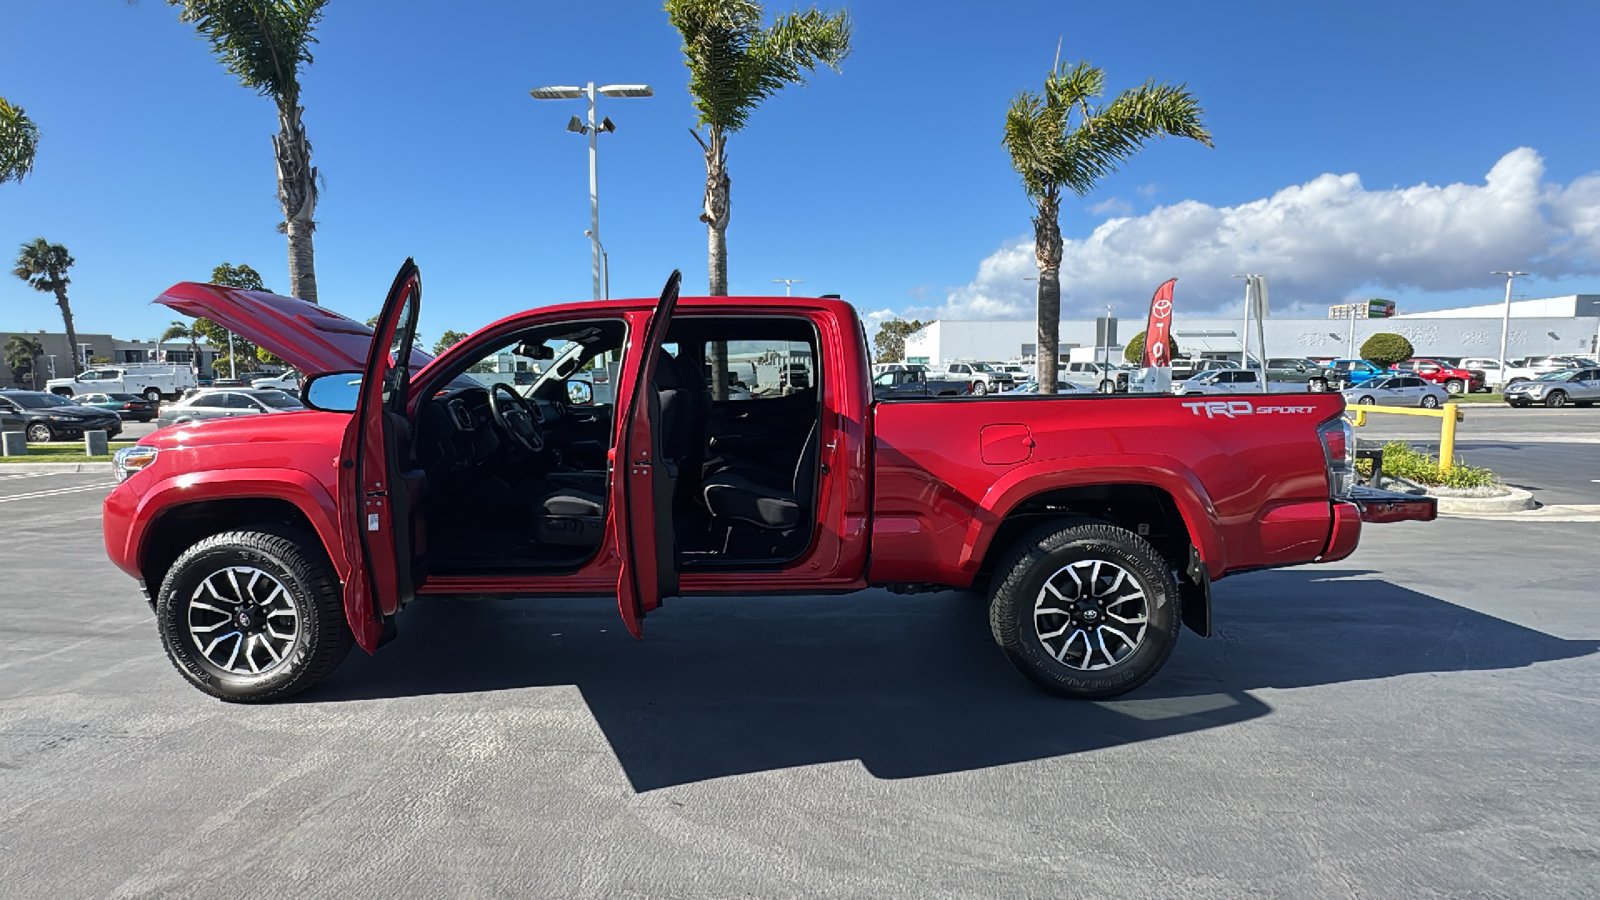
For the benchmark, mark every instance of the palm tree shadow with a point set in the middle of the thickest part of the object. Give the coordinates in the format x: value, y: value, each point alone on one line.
x: 911, y: 686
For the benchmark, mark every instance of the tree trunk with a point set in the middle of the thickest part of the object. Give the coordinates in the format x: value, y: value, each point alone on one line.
x: 1047, y: 252
x: 297, y: 195
x: 716, y: 218
x: 72, y: 333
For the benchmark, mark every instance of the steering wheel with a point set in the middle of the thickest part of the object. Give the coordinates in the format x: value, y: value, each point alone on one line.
x: 516, y: 417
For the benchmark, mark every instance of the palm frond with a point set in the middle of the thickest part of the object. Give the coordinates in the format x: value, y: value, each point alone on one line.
x: 19, y: 142
x: 263, y: 42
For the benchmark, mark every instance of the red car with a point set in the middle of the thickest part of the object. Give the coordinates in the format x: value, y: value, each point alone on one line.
x: 1454, y: 379
x: 1096, y: 523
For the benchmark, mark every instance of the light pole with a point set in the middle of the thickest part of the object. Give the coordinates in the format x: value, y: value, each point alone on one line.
x: 605, y: 262
x: 592, y: 129
x: 1505, y: 323
x: 788, y: 284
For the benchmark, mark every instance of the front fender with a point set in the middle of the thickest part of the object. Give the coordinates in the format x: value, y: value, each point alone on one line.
x: 1161, y: 472
x: 293, y: 486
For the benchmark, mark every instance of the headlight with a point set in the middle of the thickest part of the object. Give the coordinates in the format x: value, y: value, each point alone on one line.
x: 129, y: 460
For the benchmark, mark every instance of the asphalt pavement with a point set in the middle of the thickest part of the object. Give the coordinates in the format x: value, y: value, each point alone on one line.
x: 1416, y: 720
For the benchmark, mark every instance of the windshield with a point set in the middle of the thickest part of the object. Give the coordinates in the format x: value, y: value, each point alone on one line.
x: 982, y: 367
x: 278, y: 400
x: 40, y: 401
x: 1555, y: 376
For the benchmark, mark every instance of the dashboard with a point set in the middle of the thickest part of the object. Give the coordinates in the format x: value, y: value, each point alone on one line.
x: 456, y: 428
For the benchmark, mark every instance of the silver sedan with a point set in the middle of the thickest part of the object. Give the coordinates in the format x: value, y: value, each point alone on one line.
x: 225, y: 403
x: 1580, y: 387
x: 1397, y: 390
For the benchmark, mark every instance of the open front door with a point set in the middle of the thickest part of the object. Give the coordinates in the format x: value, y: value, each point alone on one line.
x: 642, y: 481
x: 374, y: 504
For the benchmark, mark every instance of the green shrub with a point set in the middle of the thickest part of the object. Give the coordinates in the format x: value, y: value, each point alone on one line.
x: 1135, y: 349
x: 1401, y: 460
x: 1385, y: 349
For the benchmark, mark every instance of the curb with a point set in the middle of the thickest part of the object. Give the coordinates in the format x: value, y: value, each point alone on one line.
x: 39, y: 468
x: 1516, y: 501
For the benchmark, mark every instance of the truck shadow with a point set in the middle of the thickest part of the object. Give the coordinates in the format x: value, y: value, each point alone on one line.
x: 910, y: 686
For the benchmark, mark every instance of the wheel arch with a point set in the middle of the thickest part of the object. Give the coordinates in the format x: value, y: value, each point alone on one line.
x: 178, y: 519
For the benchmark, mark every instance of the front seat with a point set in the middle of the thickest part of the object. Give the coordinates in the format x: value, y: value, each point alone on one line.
x: 742, y: 496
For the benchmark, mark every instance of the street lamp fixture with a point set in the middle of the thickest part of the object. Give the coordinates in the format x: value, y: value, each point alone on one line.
x: 592, y: 130
x: 788, y: 284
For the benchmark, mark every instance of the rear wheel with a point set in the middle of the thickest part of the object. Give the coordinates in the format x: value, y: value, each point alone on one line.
x: 1318, y: 385
x: 1429, y: 401
x: 40, y: 433
x: 153, y: 395
x: 252, y: 616
x: 1556, y: 400
x: 1085, y: 611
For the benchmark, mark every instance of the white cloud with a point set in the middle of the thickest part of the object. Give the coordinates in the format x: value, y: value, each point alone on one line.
x: 1318, y: 242
x: 1112, y: 206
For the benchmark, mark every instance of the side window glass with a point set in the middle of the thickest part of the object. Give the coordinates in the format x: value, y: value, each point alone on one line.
x: 762, y: 369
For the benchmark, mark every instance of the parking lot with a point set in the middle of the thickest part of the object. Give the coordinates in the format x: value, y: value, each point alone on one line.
x: 1416, y: 720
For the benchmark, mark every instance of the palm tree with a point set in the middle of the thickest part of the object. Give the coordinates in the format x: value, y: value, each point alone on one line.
x: 734, y: 65
x: 44, y: 265
x: 1060, y: 140
x: 184, y: 331
x: 22, y: 358
x: 19, y: 140
x: 264, y: 43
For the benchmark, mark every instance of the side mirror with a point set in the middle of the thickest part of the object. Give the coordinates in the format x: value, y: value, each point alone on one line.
x: 332, y: 391
x: 580, y: 393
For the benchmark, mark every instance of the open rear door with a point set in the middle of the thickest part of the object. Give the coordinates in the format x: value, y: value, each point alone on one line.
x: 642, y: 481
x: 374, y: 504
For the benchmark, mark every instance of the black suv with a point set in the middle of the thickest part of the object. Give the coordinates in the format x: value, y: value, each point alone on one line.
x: 47, y: 417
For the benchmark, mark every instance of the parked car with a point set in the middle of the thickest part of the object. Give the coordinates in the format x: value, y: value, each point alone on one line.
x: 1094, y: 376
x: 1454, y: 379
x: 154, y: 382
x: 917, y: 383
x: 288, y: 382
x: 984, y: 378
x: 1397, y: 390
x: 1183, y: 369
x: 226, y: 403
x: 52, y: 417
x: 1233, y: 381
x: 1298, y: 370
x: 1062, y: 387
x: 128, y: 406
x: 1099, y: 528
x: 1580, y: 387
x: 1352, y: 372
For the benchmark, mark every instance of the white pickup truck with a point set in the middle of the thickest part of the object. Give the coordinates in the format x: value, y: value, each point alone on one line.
x: 153, y: 382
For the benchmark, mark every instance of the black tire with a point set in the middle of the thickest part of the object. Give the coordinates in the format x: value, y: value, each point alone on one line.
x: 1366, y: 401
x: 153, y: 395
x: 1043, y: 555
x: 1556, y: 400
x: 1429, y: 401
x: 979, y: 388
x: 1455, y: 386
x: 40, y: 433
x: 321, y: 638
x: 1107, y: 386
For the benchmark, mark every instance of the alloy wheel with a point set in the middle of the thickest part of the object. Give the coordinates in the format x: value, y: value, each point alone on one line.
x: 1091, y: 614
x: 39, y: 433
x: 242, y: 620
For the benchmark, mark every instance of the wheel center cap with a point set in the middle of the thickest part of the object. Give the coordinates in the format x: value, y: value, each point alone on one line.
x: 244, y: 619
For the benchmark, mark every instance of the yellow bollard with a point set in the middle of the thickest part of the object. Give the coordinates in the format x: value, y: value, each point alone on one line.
x: 1447, y: 436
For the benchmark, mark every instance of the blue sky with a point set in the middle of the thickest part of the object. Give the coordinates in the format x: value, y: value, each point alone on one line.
x: 1354, y: 146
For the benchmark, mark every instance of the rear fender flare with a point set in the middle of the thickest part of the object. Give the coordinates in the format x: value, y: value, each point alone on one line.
x: 1032, y: 479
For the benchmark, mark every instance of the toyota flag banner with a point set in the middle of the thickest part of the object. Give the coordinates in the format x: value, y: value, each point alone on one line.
x: 1158, y: 331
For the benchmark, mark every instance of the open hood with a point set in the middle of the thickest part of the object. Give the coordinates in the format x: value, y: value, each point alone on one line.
x: 309, y: 337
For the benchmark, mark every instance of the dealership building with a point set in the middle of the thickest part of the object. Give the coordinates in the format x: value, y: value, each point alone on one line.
x: 1549, y: 326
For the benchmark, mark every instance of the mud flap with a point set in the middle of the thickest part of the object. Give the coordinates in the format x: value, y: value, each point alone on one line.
x: 1194, y: 590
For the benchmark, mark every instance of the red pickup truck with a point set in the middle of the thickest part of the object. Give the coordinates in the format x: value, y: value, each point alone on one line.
x: 268, y: 545
x: 1454, y: 379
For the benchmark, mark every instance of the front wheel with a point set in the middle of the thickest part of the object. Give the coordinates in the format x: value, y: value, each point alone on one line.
x: 1455, y: 386
x: 1085, y: 611
x: 979, y: 388
x: 1366, y: 401
x: 1318, y: 385
x: 252, y: 616
x: 153, y: 395
x: 1429, y: 401
x: 1556, y: 400
x: 40, y: 433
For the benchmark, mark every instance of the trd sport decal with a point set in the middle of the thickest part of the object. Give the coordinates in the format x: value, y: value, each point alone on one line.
x: 1232, y: 408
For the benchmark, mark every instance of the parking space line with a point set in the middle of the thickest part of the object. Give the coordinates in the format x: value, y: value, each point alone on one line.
x: 54, y: 492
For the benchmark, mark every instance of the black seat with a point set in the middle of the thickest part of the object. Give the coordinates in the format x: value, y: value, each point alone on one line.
x: 743, y: 496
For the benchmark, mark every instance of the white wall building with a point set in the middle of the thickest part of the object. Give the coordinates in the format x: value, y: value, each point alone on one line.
x: 1553, y: 325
